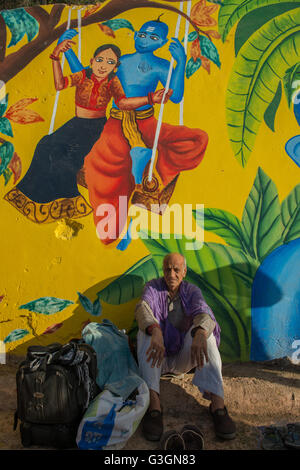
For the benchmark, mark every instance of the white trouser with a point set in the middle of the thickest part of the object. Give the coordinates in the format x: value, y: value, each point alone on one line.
x: 207, y: 379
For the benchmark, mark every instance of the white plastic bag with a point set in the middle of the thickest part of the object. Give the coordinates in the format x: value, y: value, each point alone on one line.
x: 110, y: 421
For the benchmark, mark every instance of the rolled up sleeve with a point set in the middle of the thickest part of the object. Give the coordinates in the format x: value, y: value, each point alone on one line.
x: 204, y: 321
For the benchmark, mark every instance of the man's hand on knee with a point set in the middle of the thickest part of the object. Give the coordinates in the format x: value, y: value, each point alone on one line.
x: 199, y: 348
x: 156, y: 350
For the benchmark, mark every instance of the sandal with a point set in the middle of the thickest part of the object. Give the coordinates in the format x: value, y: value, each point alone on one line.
x: 292, y: 438
x: 272, y: 438
x: 172, y: 440
x: 193, y: 437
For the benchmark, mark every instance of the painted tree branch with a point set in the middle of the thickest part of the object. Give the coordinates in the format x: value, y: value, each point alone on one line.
x: 2, y: 39
x: 18, y: 60
x: 55, y: 15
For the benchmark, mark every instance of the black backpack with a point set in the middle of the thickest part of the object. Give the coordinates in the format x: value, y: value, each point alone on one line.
x: 55, y: 385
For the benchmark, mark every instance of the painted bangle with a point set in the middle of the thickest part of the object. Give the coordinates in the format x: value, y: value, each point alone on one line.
x: 150, y: 98
x: 54, y: 57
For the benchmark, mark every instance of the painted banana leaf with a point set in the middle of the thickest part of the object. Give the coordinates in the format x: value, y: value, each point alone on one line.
x: 130, y: 285
x: 262, y: 217
x: 260, y: 65
x: 225, y: 277
x: 290, y: 212
x: 225, y: 225
x: 232, y: 11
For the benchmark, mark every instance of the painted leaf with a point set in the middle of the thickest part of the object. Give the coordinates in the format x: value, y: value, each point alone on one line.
x: 209, y: 50
x: 20, y: 114
x: 20, y: 23
x: 256, y: 19
x: 86, y: 303
x: 51, y: 329
x: 219, y: 271
x: 192, y: 36
x: 195, y: 50
x: 257, y: 71
x: 290, y: 213
x: 7, y: 174
x: 15, y: 165
x: 262, y: 217
x: 5, y: 127
x: 6, y: 154
x: 130, y: 285
x: 205, y: 64
x: 47, y: 305
x: 270, y: 113
x: 291, y: 82
x: 106, y: 30
x: 201, y: 14
x: 192, y: 67
x: 97, y: 308
x: 118, y: 24
x: 213, y: 34
x: 90, y: 11
x: 15, y: 335
x: 225, y: 225
x: 232, y: 11
x: 3, y: 105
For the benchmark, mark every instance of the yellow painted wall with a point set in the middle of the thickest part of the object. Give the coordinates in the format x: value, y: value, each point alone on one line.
x: 34, y: 263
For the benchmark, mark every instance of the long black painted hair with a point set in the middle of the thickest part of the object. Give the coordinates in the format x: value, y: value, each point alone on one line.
x: 102, y: 48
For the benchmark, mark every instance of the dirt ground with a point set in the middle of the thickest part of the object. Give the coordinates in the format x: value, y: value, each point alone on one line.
x: 257, y: 394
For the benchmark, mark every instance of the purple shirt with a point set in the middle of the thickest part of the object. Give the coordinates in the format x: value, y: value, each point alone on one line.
x: 155, y: 293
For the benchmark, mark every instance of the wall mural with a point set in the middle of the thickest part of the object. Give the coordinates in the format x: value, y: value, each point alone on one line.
x: 145, y: 103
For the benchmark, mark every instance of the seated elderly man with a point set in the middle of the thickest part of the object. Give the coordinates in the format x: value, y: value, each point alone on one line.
x: 178, y: 332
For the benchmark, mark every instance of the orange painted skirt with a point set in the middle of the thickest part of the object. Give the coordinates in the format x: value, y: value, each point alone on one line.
x: 108, y: 165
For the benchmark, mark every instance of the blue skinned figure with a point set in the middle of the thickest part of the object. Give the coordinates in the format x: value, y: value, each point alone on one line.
x: 118, y: 161
x: 151, y: 70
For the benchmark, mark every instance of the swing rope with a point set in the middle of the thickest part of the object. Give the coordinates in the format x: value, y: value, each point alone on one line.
x: 63, y: 61
x: 187, y: 25
x: 167, y: 87
x: 79, y: 33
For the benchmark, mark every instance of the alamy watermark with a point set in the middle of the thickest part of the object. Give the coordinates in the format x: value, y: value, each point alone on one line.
x: 184, y: 223
x: 296, y: 93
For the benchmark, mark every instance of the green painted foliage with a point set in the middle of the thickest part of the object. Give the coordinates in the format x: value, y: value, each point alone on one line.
x: 271, y: 110
x: 262, y: 217
x: 15, y: 335
x: 20, y: 23
x: 192, y: 66
x: 225, y: 225
x: 46, y: 305
x: 291, y: 82
x: 232, y: 11
x: 6, y: 154
x: 290, y: 212
x: 118, y: 24
x: 7, y: 174
x: 130, y: 285
x: 209, y: 50
x: 3, y: 105
x: 260, y: 65
x: 5, y: 127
